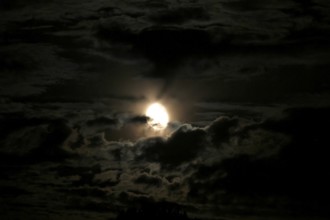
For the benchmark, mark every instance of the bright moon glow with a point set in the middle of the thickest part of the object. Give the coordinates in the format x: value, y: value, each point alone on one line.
x: 158, y: 116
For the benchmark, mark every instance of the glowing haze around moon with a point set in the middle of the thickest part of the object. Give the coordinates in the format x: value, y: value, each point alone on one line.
x: 158, y: 116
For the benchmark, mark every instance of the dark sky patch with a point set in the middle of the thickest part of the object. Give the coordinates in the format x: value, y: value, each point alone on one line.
x: 10, y: 5
x: 12, y: 191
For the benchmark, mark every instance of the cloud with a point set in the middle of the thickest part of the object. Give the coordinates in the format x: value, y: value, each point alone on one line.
x: 148, y: 180
x: 182, y: 146
x: 222, y: 129
x: 168, y: 44
x: 35, y: 67
x: 130, y: 131
x: 34, y: 139
x: 85, y: 192
x: 107, y: 178
x: 223, y: 138
x: 101, y: 129
x: 246, y: 6
x: 179, y: 15
x: 104, y: 35
x: 227, y: 162
x: 102, y: 121
x: 282, y: 160
x: 139, y: 119
x: 151, y: 210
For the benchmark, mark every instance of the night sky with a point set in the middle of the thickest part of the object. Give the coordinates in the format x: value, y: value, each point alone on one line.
x: 246, y: 84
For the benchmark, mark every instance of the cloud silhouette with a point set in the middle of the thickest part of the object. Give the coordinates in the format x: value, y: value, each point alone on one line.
x: 182, y: 146
x: 148, y: 180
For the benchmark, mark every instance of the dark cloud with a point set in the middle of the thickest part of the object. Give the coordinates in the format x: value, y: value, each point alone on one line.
x: 90, y: 206
x: 102, y: 121
x: 118, y: 127
x: 134, y: 198
x: 148, y: 180
x: 97, y: 140
x: 88, y: 171
x: 180, y: 15
x: 85, y: 192
x: 159, y: 210
x: 34, y: 139
x: 221, y: 129
x: 182, y: 146
x: 298, y: 176
x: 139, y: 119
x: 79, y: 142
x: 169, y: 44
x: 28, y: 68
x: 307, y: 152
x: 131, y: 131
x: 256, y: 5
x: 229, y: 162
x: 116, y: 154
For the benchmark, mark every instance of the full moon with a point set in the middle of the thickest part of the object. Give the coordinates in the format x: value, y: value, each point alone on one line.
x: 158, y: 116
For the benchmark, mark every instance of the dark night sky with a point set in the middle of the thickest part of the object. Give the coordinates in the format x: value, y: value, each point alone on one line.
x: 246, y: 84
